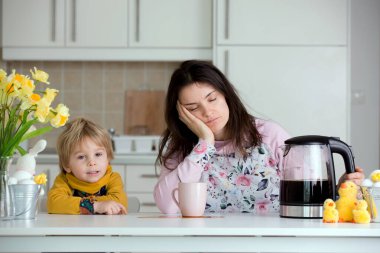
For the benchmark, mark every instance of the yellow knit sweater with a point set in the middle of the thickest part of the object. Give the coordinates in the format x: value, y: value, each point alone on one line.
x: 62, y: 201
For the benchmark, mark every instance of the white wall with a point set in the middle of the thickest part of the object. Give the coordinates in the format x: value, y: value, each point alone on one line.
x: 365, y: 82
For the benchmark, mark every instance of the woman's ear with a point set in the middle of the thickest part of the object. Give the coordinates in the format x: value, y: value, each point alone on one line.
x: 68, y: 170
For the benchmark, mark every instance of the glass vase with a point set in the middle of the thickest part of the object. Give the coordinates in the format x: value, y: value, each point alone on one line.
x: 6, y: 200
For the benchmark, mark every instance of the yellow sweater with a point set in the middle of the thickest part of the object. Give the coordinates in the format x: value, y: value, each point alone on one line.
x: 62, y: 201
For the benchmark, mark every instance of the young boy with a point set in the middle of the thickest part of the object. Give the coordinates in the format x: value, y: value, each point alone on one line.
x: 86, y: 184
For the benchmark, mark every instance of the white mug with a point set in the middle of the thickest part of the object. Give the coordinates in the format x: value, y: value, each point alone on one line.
x: 191, y: 198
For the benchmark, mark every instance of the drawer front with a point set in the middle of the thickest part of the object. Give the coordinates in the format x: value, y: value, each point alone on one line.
x: 140, y: 178
x: 147, y: 204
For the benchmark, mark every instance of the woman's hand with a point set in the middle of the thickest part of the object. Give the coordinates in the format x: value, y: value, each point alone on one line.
x: 357, y: 177
x: 197, y: 126
x: 109, y: 207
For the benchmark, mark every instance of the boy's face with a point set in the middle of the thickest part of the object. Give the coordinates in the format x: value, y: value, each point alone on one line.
x: 88, y: 162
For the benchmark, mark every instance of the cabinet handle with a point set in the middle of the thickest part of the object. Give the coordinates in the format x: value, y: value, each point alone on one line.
x: 227, y: 20
x: 74, y: 26
x: 137, y: 20
x: 226, y: 62
x: 53, y: 19
x: 148, y: 176
x: 148, y: 204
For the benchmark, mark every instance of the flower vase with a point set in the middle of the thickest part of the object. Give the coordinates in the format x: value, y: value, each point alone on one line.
x: 6, y: 199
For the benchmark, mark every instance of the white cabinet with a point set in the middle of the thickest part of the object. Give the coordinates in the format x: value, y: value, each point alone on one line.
x: 38, y: 23
x: 140, y: 181
x: 288, y: 61
x: 96, y: 23
x: 170, y: 23
x: 302, y: 88
x: 286, y: 22
x: 88, y: 23
x: 107, y: 30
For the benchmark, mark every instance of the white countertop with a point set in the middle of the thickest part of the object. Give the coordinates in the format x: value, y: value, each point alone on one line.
x: 158, y: 224
x: 152, y: 232
x: 124, y: 159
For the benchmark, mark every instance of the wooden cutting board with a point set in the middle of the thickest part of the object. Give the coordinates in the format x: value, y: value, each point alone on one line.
x: 144, y: 112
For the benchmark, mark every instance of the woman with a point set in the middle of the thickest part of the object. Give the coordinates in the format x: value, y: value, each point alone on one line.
x: 211, y: 137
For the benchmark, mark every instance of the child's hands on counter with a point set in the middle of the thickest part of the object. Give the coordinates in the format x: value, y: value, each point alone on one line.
x: 109, y: 207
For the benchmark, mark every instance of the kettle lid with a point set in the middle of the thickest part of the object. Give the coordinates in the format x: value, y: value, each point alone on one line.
x: 310, y: 139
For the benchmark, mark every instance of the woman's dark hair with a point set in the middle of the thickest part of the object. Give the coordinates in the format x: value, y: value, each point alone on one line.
x: 178, y: 139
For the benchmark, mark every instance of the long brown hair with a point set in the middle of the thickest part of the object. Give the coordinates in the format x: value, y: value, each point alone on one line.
x: 178, y: 139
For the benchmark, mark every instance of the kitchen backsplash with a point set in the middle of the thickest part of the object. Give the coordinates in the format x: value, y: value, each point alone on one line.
x: 95, y: 90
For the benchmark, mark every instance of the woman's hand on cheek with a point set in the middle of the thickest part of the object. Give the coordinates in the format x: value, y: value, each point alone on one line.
x: 197, y: 126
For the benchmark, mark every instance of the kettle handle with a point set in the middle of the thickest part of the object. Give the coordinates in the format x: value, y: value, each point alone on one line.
x: 339, y: 147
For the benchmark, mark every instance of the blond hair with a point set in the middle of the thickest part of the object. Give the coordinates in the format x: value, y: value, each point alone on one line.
x: 75, y: 132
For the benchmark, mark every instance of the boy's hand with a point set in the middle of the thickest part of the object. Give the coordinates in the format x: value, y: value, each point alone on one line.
x: 109, y: 207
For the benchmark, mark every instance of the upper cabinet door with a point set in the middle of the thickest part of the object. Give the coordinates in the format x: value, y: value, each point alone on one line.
x: 35, y: 23
x: 285, y: 22
x: 97, y: 23
x: 170, y: 23
x: 302, y: 88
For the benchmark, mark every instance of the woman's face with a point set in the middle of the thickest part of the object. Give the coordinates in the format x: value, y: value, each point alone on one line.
x: 207, y: 104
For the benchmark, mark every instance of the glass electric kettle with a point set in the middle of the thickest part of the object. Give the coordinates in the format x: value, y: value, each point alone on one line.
x: 308, y: 174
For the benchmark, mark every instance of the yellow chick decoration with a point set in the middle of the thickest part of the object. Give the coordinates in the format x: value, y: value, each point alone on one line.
x: 40, y: 179
x: 360, y: 213
x: 330, y: 214
x: 346, y: 202
x: 375, y: 176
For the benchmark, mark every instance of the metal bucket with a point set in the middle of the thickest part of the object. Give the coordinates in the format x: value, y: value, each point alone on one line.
x: 372, y: 196
x: 25, y: 198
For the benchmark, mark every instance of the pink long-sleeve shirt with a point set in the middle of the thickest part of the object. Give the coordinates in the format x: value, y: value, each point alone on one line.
x: 219, y: 165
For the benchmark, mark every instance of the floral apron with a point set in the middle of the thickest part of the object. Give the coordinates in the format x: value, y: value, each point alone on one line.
x: 248, y: 185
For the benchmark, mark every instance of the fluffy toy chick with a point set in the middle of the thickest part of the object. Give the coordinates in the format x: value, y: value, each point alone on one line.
x: 346, y: 202
x: 330, y: 214
x: 360, y: 212
x: 375, y: 176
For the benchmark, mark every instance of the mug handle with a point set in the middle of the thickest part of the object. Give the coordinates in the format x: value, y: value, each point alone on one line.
x: 174, y: 198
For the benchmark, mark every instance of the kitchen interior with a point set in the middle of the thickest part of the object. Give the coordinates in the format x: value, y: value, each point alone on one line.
x: 119, y: 89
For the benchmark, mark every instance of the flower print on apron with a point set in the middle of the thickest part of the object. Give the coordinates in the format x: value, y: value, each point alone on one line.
x: 248, y: 185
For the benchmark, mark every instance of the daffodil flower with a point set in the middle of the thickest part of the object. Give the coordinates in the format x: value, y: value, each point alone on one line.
x: 61, y: 117
x: 40, y: 75
x: 22, y: 105
x: 40, y: 178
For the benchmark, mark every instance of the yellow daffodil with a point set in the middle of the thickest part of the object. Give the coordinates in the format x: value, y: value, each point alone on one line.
x: 32, y: 100
x: 27, y: 87
x: 40, y: 75
x: 3, y: 74
x: 22, y: 105
x: 61, y: 117
x: 42, y: 110
x: 40, y: 178
x: 50, y: 94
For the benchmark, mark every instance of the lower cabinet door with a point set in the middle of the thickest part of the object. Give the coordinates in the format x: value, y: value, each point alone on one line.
x: 147, y: 203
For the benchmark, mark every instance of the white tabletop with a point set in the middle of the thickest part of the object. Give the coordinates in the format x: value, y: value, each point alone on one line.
x: 156, y: 232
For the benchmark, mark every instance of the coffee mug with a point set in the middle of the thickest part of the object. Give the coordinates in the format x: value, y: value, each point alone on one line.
x: 191, y: 198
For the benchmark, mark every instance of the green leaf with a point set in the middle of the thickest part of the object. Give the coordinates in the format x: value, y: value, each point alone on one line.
x: 21, y: 150
x: 16, y: 139
x: 36, y: 133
